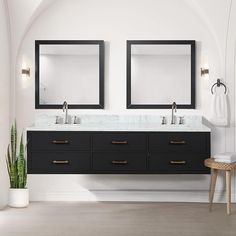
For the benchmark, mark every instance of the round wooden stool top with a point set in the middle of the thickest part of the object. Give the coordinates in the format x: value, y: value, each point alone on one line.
x: 211, y: 163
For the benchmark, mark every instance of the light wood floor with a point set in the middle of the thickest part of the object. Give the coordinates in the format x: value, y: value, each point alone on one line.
x: 117, y: 218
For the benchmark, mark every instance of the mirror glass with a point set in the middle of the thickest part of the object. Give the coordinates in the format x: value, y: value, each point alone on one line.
x: 159, y: 73
x: 70, y: 71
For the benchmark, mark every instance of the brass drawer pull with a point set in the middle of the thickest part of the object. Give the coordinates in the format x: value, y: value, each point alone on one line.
x: 117, y: 162
x: 119, y: 142
x: 60, y: 142
x: 60, y: 162
x: 177, y: 162
x: 177, y: 142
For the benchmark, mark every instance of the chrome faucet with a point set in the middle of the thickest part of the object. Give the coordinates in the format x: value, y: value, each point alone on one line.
x: 65, y: 109
x: 173, y: 108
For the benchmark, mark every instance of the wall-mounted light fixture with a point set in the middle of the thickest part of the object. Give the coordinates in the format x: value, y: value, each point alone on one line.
x: 204, y: 71
x: 25, y: 72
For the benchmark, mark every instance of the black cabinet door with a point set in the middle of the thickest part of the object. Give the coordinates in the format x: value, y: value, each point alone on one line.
x: 119, y: 141
x: 184, y: 163
x: 59, y: 140
x: 119, y: 162
x: 184, y: 142
x: 59, y: 163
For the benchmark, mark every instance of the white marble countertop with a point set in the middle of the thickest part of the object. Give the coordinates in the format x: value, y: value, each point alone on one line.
x: 120, y: 127
x: 135, y: 123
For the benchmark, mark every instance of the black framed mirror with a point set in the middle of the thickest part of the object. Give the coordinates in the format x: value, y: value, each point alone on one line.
x: 160, y: 72
x: 71, y: 71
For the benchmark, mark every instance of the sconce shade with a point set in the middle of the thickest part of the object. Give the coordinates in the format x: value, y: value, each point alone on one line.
x: 25, y: 71
x: 204, y: 71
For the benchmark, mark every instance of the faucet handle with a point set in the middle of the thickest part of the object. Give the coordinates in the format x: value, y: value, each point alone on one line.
x: 57, y: 120
x: 163, y: 120
x: 75, y: 120
x: 181, y: 120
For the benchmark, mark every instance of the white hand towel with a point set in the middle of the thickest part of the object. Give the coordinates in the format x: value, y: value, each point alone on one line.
x: 227, y: 157
x: 219, y: 109
x: 224, y: 160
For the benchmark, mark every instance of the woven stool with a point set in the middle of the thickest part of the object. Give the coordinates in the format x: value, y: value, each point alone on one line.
x: 216, y: 166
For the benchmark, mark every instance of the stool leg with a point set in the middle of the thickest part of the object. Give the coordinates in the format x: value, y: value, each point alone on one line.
x: 228, y: 190
x: 212, y: 186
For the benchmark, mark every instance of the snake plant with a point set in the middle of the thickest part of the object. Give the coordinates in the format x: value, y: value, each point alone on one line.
x: 16, y: 163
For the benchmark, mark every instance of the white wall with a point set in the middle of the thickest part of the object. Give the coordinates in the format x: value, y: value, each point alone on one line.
x: 115, y: 22
x: 230, y: 72
x: 4, y: 100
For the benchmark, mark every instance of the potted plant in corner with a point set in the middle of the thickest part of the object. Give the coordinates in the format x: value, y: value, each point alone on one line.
x: 16, y: 165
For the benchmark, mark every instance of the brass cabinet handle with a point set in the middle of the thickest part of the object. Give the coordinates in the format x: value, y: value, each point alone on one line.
x: 119, y: 162
x: 60, y: 141
x: 177, y: 162
x: 177, y: 142
x: 60, y: 162
x: 119, y: 142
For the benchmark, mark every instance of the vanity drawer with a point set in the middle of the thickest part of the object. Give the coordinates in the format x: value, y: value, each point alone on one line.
x: 119, y: 141
x: 62, y: 140
x: 178, y: 163
x: 119, y: 162
x: 179, y: 142
x: 59, y: 163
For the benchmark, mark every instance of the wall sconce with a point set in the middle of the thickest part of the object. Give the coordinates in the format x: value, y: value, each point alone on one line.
x: 25, y: 72
x: 204, y: 71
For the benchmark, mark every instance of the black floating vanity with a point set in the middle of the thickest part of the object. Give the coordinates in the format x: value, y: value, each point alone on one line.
x: 105, y: 152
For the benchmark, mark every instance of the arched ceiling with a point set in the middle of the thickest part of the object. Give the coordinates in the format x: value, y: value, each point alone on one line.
x: 21, y: 16
x: 23, y: 13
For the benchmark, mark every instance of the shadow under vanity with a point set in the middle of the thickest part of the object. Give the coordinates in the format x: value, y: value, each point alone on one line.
x: 116, y: 144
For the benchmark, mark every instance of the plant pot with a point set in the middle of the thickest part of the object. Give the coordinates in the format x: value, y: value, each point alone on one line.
x: 18, y: 197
